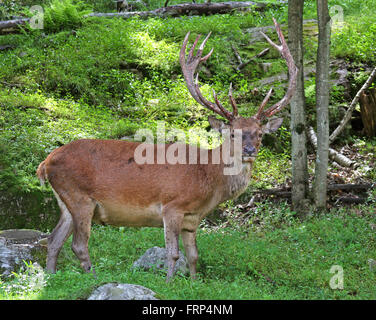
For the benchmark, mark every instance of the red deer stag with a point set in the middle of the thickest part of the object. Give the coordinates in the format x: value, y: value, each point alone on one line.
x: 100, y: 180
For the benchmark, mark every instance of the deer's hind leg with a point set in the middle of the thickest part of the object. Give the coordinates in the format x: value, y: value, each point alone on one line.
x: 59, y: 235
x: 82, y: 214
x: 81, y: 210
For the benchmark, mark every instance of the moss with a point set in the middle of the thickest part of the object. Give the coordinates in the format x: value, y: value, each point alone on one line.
x: 39, y: 254
x: 36, y: 209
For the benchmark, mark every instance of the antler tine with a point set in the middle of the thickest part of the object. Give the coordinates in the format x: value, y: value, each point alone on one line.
x: 204, y: 101
x: 263, y: 104
x: 189, y: 66
x: 204, y: 43
x: 232, y: 101
x: 207, y: 56
x: 293, y: 73
x: 190, y: 54
x: 227, y: 114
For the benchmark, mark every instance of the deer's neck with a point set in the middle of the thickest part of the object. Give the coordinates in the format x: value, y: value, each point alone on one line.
x: 236, y: 184
x: 236, y: 181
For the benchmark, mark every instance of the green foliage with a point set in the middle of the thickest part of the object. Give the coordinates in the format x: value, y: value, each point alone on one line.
x: 355, y: 40
x: 64, y: 14
x: 26, y: 284
x: 9, y: 8
x: 32, y: 125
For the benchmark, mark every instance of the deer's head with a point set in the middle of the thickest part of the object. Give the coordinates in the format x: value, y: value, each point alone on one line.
x: 253, y: 128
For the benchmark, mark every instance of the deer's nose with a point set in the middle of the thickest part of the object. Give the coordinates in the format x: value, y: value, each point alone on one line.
x: 249, y: 150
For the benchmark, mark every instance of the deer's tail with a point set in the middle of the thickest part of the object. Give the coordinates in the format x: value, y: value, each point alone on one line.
x: 41, y: 173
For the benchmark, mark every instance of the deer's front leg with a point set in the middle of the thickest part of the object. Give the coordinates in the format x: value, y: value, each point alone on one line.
x: 172, y: 221
x: 189, y: 242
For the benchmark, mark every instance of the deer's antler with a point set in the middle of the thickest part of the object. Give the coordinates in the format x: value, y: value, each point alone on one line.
x: 189, y: 65
x: 293, y: 73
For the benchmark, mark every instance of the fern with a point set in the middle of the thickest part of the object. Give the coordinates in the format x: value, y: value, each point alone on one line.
x: 64, y: 14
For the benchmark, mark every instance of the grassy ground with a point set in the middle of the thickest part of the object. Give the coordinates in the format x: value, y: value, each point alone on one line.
x: 107, y: 78
x: 290, y: 261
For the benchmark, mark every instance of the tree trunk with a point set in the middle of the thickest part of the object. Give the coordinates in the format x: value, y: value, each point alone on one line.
x: 368, y: 112
x: 298, y: 117
x: 322, y: 104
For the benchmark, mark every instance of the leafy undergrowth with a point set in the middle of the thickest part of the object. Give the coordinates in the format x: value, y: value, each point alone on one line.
x: 278, y: 261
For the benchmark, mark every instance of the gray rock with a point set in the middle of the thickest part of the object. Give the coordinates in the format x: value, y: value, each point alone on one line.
x: 266, y: 66
x: 156, y: 257
x: 122, y: 291
x: 372, y: 264
x: 17, y: 245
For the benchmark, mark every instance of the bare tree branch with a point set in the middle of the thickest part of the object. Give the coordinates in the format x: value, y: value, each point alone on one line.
x: 259, y: 55
x: 353, y: 104
x: 240, y: 60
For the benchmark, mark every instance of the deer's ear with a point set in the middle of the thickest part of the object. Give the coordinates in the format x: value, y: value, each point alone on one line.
x: 272, y: 125
x: 217, y: 125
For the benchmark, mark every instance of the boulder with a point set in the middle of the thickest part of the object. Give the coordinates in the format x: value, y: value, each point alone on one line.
x: 122, y: 291
x: 156, y: 257
x: 17, y: 245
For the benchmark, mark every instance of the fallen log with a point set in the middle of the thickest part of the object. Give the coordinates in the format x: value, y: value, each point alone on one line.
x: 7, y: 47
x: 283, y: 193
x: 352, y: 200
x: 187, y: 9
x: 286, y: 192
x: 349, y: 187
x: 15, y: 23
x: 333, y: 154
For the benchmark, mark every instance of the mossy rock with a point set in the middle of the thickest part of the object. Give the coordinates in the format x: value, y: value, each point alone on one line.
x: 18, y: 246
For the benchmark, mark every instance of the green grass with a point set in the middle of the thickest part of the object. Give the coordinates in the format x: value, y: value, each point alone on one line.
x: 286, y: 262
